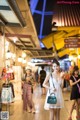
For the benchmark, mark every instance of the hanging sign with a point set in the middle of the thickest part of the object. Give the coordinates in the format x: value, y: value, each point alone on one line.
x: 72, y: 43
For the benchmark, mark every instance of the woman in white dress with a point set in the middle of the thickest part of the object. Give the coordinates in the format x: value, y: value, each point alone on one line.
x: 55, y: 80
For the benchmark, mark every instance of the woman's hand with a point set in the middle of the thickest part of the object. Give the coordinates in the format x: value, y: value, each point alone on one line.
x: 54, y: 89
x: 62, y: 74
x: 78, y: 80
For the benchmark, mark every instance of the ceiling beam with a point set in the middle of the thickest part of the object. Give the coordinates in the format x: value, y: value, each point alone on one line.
x: 35, y: 49
x: 17, y: 35
x: 3, y: 21
x: 13, y: 43
x: 4, y: 7
x: 47, y: 56
x: 6, y: 23
x: 17, y: 12
x: 22, y: 43
x: 13, y: 24
x: 10, y: 24
x: 21, y: 36
x: 33, y: 42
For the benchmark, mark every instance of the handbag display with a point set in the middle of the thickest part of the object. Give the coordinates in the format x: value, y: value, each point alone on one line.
x: 52, y: 98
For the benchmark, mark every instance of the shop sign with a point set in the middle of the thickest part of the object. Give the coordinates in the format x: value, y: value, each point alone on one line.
x: 72, y: 43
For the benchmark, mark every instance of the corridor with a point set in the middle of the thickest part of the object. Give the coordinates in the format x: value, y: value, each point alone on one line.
x: 16, y: 111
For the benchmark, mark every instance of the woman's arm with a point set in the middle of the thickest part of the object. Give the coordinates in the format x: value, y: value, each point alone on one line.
x: 46, y: 81
x: 62, y: 76
x: 74, y: 83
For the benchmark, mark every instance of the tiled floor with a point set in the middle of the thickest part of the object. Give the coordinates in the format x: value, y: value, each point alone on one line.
x: 16, y: 111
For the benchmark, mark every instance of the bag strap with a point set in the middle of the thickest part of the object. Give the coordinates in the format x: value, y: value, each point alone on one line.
x: 53, y: 86
x: 52, y: 81
x: 77, y: 84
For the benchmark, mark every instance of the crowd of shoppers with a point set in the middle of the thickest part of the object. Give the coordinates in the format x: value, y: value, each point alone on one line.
x: 53, y: 82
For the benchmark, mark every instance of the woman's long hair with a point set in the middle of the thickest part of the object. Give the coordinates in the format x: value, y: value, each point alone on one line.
x: 26, y: 73
x: 75, y: 69
x: 56, y: 61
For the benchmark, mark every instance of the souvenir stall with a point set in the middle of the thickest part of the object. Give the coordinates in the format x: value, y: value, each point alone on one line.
x: 17, y: 82
x: 2, y: 49
x: 14, y: 74
x: 11, y: 87
x: 7, y: 90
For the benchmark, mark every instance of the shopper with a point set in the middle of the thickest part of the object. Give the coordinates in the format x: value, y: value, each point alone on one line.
x: 28, y: 91
x: 55, y: 80
x: 75, y: 92
x: 42, y: 76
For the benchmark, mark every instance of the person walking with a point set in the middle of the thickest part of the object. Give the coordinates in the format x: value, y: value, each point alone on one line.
x: 75, y: 92
x: 27, y: 86
x: 55, y: 80
x: 42, y: 76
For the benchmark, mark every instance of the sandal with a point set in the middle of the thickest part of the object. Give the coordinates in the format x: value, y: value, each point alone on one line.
x: 29, y: 111
x: 70, y: 118
x: 77, y: 117
x: 33, y: 112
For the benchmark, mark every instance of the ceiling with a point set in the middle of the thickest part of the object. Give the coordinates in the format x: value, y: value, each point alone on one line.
x: 65, y: 25
x: 17, y: 23
x: 56, y: 21
x: 29, y: 23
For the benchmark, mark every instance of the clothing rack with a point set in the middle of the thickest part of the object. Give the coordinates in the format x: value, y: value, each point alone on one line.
x: 6, y: 85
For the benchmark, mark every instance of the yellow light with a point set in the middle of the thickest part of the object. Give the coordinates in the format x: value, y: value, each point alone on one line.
x: 70, y: 57
x: 72, y: 63
x: 23, y: 55
x: 24, y: 61
x: 79, y: 56
x: 20, y: 59
x: 8, y: 54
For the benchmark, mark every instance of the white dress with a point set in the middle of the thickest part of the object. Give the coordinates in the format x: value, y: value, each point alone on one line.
x: 58, y: 93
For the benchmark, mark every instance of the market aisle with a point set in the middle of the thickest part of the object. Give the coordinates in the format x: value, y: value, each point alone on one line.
x: 17, y: 111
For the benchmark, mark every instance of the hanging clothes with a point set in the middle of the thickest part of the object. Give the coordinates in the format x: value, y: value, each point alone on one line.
x: 6, y: 94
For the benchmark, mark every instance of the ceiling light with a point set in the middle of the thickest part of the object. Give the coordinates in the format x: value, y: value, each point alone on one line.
x: 8, y: 54
x: 79, y: 56
x: 23, y: 55
x: 20, y: 59
x: 24, y: 61
x: 15, y: 39
x: 70, y: 57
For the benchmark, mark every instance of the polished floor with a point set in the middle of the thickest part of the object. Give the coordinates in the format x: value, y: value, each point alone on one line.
x: 16, y: 111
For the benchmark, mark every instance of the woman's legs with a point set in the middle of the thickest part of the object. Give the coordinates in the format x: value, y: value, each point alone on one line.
x: 43, y: 91
x: 53, y: 114
x: 77, y: 109
x: 33, y: 107
x: 31, y: 104
x: 72, y: 108
x: 58, y: 114
x: 24, y: 97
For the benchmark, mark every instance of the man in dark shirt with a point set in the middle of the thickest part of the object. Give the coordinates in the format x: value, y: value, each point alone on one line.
x: 42, y: 76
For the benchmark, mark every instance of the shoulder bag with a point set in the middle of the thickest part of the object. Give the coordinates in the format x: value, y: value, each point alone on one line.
x: 52, y: 98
